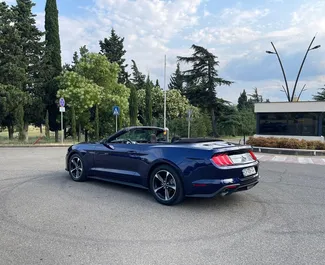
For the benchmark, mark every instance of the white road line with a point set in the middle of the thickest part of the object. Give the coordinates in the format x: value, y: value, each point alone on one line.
x: 279, y: 158
x: 305, y: 160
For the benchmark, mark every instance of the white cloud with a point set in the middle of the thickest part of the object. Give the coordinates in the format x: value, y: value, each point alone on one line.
x: 147, y: 26
x: 151, y: 28
x: 243, y: 17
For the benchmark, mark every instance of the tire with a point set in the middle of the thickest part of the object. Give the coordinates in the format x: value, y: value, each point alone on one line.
x: 167, y: 192
x: 77, y: 168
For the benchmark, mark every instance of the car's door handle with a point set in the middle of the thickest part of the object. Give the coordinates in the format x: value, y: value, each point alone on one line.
x: 132, y: 152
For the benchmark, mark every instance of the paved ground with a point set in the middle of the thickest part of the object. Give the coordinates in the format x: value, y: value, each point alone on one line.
x: 45, y: 218
x: 291, y: 159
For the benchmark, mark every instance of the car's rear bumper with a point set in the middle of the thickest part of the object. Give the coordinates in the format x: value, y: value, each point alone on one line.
x: 211, y: 188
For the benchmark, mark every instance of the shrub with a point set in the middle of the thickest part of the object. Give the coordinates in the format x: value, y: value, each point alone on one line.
x: 290, y: 143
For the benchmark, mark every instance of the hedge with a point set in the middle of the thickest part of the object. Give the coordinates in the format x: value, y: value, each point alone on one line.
x: 285, y: 143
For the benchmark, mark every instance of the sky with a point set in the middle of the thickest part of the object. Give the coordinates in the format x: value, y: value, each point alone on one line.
x: 237, y: 32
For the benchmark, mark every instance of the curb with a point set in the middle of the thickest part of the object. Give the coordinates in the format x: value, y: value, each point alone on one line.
x: 33, y: 146
x: 286, y: 151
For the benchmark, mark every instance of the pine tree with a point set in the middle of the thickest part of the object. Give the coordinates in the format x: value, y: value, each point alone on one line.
x: 242, y: 101
x: 157, y: 83
x: 320, y: 95
x: 32, y: 48
x: 52, y: 62
x: 177, y: 80
x: 113, y: 49
x: 148, y: 100
x: 202, y: 80
x: 12, y: 71
x: 138, y: 78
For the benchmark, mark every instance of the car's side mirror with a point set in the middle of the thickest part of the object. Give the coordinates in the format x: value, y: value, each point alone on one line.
x: 109, y: 146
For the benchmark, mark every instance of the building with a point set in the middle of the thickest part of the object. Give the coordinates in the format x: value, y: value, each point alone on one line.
x: 300, y: 120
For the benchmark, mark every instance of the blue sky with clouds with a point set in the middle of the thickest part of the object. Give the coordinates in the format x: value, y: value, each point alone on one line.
x: 238, y: 32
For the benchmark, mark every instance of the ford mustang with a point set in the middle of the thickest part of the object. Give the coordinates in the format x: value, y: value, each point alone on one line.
x: 143, y: 156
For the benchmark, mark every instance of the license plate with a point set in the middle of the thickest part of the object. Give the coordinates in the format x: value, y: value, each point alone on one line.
x: 249, y: 171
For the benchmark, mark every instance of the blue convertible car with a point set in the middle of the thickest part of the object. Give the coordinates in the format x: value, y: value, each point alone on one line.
x: 143, y: 157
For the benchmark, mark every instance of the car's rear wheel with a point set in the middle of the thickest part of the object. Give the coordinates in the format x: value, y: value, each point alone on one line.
x: 77, y: 169
x: 166, y: 185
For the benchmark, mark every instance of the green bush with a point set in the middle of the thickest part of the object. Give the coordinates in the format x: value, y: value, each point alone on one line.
x: 290, y: 143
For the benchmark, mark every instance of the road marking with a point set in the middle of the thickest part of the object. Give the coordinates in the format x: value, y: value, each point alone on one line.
x: 279, y: 158
x: 304, y: 160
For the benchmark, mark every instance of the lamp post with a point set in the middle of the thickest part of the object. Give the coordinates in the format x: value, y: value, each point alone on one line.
x: 286, y: 89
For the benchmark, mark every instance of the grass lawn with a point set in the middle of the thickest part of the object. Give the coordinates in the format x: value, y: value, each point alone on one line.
x: 33, y: 135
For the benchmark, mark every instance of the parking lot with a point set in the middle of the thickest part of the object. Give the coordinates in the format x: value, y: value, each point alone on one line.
x: 46, y: 218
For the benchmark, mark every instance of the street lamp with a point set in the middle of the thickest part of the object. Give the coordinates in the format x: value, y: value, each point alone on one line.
x: 283, y: 72
x: 286, y: 90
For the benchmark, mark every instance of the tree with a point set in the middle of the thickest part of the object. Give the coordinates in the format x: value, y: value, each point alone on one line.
x: 138, y: 78
x: 242, y: 101
x: 320, y: 95
x: 93, y: 90
x: 133, y: 104
x: 80, y: 94
x: 177, y: 80
x: 202, y: 81
x: 113, y: 49
x: 52, y: 62
x: 12, y: 72
x: 157, y: 83
x: 148, y: 112
x: 73, y: 123
x: 256, y: 97
x: 12, y: 102
x: 32, y: 48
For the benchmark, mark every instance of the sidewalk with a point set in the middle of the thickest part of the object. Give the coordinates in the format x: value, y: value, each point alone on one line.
x: 290, y: 159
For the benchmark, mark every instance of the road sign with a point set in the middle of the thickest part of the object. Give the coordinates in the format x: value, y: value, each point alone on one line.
x: 189, y: 115
x: 116, y: 111
x: 62, y: 102
x: 62, y: 109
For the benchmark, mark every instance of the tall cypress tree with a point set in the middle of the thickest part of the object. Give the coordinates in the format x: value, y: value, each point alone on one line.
x: 133, y: 104
x: 148, y: 113
x: 52, y: 61
x: 113, y: 49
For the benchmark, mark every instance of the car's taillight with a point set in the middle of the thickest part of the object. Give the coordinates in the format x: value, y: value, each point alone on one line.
x: 252, y: 155
x: 222, y: 160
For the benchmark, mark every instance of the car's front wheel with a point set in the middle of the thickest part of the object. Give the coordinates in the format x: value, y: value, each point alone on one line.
x: 77, y: 168
x: 166, y: 185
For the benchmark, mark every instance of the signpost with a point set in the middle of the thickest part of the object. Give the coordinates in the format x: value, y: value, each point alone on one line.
x: 116, y: 112
x: 189, y: 118
x: 62, y: 109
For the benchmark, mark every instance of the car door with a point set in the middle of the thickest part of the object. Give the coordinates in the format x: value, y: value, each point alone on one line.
x: 119, y: 162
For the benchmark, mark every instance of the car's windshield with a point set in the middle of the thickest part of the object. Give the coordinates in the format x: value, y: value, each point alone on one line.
x: 141, y: 136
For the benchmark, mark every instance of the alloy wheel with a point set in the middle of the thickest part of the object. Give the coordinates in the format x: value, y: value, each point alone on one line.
x: 76, y: 167
x: 164, y: 185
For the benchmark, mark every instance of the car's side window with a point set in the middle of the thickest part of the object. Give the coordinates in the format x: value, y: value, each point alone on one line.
x: 140, y: 136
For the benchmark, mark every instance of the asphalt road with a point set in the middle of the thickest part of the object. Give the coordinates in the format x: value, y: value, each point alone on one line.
x: 46, y: 218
